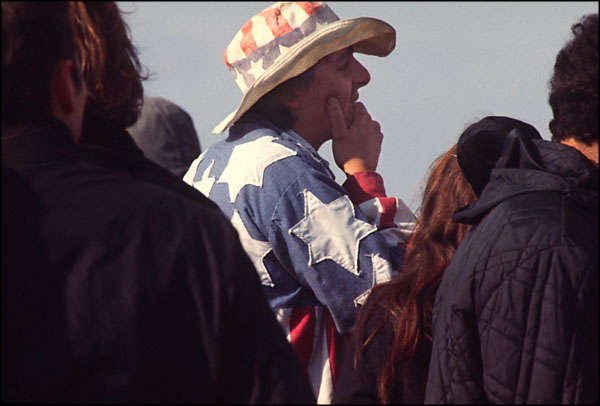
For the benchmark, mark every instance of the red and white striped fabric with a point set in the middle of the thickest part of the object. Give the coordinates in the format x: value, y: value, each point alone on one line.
x: 270, y: 34
x: 395, y: 220
x: 389, y: 214
x: 312, y: 334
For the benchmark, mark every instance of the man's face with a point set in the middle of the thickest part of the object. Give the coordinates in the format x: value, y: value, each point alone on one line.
x: 337, y: 75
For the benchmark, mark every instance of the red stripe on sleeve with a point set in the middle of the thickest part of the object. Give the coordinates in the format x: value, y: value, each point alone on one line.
x: 389, y: 206
x: 302, y: 332
x: 332, y: 339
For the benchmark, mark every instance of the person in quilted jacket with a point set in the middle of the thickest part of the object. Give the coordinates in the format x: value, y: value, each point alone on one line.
x: 515, y: 318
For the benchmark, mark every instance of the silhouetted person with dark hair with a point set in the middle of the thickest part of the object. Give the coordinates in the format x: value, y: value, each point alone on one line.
x: 115, y: 289
x: 515, y: 319
x: 389, y: 358
x: 574, y: 90
x: 114, y: 75
x: 166, y: 134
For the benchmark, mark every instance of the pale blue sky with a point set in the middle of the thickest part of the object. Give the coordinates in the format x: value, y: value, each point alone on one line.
x: 454, y: 63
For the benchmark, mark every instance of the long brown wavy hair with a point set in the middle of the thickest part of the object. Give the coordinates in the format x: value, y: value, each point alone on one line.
x: 406, y: 302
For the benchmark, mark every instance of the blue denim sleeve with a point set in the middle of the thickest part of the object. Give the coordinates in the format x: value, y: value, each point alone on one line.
x: 316, y: 231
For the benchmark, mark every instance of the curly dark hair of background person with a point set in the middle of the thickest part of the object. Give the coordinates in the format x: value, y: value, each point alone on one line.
x: 574, y: 85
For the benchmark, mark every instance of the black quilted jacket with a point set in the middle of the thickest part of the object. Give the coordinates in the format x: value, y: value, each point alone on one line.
x: 515, y: 318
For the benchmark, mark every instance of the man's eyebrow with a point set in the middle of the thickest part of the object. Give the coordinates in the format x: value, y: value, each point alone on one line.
x: 340, y: 59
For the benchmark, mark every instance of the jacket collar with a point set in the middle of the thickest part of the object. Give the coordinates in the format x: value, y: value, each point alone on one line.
x: 560, y: 169
x: 252, y: 120
x: 99, y: 133
x: 41, y: 141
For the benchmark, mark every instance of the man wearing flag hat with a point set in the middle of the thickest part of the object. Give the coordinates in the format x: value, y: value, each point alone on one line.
x: 317, y: 246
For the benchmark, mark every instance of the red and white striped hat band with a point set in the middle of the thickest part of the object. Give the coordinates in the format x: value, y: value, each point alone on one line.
x: 287, y: 38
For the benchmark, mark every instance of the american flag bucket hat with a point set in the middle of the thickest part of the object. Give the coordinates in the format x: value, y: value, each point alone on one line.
x: 287, y: 38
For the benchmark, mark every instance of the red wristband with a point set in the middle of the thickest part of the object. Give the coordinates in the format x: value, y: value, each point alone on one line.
x: 364, y: 185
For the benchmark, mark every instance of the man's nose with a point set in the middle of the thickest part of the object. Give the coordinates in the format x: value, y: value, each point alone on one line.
x: 360, y: 74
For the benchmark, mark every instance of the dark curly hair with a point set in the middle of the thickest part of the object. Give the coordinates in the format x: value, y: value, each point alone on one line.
x: 574, y: 85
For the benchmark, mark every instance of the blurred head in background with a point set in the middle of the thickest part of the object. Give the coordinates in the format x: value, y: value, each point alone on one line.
x: 574, y: 90
x: 166, y: 134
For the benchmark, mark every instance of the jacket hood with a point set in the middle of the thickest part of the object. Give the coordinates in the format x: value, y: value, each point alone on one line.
x: 166, y: 134
x: 502, y: 157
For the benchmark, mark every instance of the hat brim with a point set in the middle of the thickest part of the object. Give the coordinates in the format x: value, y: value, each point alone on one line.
x: 367, y: 35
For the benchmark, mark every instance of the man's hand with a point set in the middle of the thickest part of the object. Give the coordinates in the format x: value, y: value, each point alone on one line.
x: 355, y: 148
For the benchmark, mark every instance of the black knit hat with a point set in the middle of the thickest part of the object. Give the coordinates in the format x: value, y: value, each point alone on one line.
x: 484, y: 146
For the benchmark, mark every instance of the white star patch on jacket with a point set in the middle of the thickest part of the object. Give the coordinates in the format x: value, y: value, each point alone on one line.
x: 205, y: 183
x: 331, y: 231
x: 255, y: 249
x: 248, y: 161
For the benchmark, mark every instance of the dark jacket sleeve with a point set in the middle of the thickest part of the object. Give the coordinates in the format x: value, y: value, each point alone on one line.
x: 209, y: 326
x: 252, y: 361
x: 259, y: 358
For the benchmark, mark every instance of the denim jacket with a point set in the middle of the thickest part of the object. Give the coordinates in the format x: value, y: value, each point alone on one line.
x: 314, y: 246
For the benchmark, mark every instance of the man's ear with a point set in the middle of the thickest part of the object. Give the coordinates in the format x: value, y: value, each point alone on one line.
x: 63, y: 89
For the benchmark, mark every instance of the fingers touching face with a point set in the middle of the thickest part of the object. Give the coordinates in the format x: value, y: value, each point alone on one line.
x: 338, y: 75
